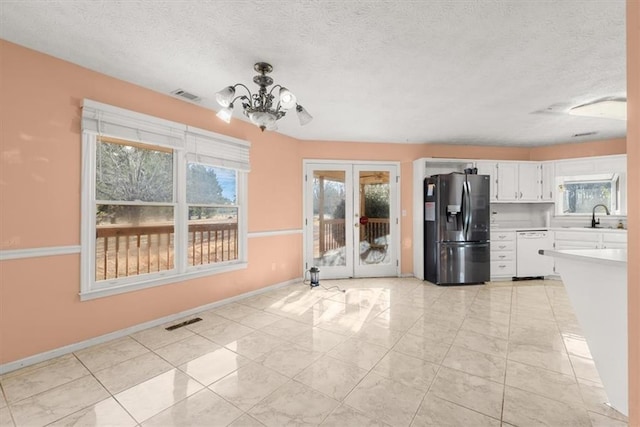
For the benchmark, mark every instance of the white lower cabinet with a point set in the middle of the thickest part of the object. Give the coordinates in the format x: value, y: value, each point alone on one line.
x: 576, y: 240
x: 589, y: 239
x: 507, y: 261
x: 503, y: 254
x: 614, y: 240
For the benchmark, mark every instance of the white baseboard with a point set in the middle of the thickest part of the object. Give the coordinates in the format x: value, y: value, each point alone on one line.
x: 47, y: 355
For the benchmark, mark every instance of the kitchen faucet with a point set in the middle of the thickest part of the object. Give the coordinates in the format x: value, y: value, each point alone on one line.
x: 593, y: 215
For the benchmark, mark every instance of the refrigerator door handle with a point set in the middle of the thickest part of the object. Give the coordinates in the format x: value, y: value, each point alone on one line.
x: 466, y: 200
x: 469, y: 211
x: 463, y: 209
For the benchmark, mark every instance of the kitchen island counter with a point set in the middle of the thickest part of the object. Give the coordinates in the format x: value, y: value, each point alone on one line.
x: 616, y: 257
x: 596, y: 282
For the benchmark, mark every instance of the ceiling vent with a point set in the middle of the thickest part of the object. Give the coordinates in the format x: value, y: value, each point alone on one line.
x: 186, y: 95
x: 578, y: 135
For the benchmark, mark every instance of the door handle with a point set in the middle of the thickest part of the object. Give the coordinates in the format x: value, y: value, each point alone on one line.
x: 469, y: 209
x: 466, y: 215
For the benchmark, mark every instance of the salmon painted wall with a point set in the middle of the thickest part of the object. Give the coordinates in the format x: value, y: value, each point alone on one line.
x: 633, y: 217
x: 579, y: 149
x: 40, y: 200
x: 40, y: 308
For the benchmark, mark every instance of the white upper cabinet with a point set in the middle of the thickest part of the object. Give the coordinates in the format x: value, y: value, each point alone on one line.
x: 591, y: 165
x: 508, y: 189
x: 548, y: 181
x: 489, y: 168
x: 518, y: 182
x: 529, y: 182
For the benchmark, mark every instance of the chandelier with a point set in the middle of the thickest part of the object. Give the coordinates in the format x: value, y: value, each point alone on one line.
x: 261, y: 108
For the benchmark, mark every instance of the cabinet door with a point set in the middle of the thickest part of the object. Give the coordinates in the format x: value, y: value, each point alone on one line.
x: 528, y: 182
x: 489, y: 168
x: 548, y: 181
x: 613, y: 240
x: 507, y: 181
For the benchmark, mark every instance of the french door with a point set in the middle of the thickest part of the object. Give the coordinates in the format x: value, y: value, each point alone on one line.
x: 351, y: 219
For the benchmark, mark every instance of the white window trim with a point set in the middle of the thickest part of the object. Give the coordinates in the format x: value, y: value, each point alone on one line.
x: 187, y: 143
x: 614, y: 178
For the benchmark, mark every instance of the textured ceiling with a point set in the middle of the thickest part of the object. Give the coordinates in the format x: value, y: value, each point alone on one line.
x: 480, y: 72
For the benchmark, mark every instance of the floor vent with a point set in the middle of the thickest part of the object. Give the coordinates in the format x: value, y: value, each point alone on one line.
x: 186, y: 95
x: 185, y: 323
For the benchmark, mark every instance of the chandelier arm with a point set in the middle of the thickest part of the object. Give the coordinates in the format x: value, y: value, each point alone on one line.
x: 274, y: 88
x: 248, y: 98
x: 240, y: 97
x: 245, y: 88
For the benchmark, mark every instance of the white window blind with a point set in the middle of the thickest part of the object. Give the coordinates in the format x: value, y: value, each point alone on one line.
x: 106, y: 120
x: 208, y: 147
x: 200, y: 145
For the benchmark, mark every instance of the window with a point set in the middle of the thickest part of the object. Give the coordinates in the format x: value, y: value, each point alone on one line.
x: 579, y: 194
x: 162, y: 202
x: 213, y: 214
x: 135, y: 206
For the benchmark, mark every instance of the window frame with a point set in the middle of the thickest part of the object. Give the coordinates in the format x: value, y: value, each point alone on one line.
x: 614, y: 179
x: 236, y: 205
x: 186, y: 143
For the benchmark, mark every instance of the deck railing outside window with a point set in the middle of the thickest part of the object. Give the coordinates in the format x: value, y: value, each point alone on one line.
x: 123, y: 251
x: 332, y: 232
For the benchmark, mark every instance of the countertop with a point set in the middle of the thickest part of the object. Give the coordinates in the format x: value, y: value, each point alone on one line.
x: 598, y: 229
x: 616, y: 257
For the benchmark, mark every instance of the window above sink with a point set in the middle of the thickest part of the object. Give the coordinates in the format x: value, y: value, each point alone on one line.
x: 578, y: 194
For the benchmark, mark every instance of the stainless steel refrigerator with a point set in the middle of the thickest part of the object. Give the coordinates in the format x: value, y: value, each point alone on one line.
x: 456, y: 231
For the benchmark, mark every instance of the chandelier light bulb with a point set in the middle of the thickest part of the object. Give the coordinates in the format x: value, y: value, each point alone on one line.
x: 303, y: 115
x: 287, y: 99
x: 225, y: 113
x: 225, y: 96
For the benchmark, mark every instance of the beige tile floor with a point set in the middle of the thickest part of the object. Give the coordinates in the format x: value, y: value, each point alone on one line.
x: 393, y: 352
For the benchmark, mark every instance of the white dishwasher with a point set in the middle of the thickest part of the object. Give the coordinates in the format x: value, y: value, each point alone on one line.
x: 529, y: 263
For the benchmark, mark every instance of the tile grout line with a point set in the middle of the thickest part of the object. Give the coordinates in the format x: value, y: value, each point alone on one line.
x: 506, y: 361
x: 105, y: 388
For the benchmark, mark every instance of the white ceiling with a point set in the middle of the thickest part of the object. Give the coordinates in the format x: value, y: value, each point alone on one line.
x: 479, y: 72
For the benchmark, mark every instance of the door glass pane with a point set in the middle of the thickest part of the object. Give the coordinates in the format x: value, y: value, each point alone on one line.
x: 374, y: 217
x: 328, y: 218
